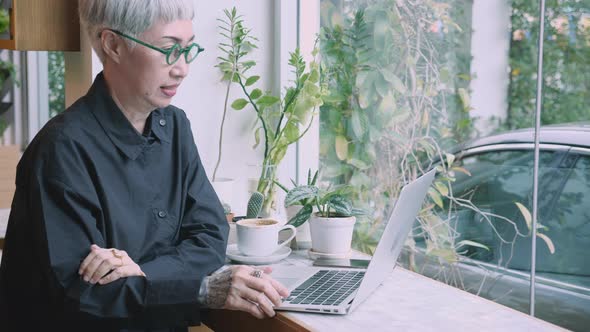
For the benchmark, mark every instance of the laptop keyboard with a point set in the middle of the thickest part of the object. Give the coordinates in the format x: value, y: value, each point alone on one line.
x: 327, y: 287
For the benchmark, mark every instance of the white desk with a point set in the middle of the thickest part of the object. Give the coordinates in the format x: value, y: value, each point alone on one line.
x: 406, y: 301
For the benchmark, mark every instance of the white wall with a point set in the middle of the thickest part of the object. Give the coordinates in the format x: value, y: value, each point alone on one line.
x: 490, y: 44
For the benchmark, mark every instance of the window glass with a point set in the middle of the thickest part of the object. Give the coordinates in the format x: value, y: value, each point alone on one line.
x: 55, y: 75
x: 568, y: 226
x: 500, y: 182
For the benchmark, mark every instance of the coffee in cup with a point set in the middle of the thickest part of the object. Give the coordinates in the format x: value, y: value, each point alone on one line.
x: 260, y: 237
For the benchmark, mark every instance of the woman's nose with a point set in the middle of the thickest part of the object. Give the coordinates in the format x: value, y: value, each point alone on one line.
x: 180, y: 68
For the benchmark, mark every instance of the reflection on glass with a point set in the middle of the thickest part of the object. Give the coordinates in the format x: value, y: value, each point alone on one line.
x: 396, y: 77
x: 398, y: 101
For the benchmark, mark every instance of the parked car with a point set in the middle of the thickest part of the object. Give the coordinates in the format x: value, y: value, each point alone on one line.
x: 501, y: 174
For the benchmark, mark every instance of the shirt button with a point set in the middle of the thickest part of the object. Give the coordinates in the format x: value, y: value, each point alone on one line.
x: 162, y: 214
x: 162, y: 122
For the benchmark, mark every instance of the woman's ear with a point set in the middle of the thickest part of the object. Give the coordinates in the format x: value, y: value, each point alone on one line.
x: 112, y: 45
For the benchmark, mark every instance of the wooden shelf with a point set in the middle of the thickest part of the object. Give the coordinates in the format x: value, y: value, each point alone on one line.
x: 47, y: 25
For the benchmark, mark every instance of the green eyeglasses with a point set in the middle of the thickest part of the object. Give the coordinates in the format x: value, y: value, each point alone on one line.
x: 173, y: 53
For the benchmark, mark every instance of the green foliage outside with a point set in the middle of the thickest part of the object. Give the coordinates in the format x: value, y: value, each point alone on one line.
x: 566, y: 64
x: 56, y: 72
x: 6, y: 68
x: 396, y: 75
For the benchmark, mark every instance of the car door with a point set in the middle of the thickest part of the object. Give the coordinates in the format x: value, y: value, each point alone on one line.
x: 501, y: 176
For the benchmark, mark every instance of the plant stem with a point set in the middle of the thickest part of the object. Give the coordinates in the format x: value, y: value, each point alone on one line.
x: 258, y: 113
x: 222, y: 123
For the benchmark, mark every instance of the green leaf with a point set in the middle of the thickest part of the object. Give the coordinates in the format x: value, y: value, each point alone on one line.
x: 256, y: 137
x: 435, y: 196
x: 360, y: 164
x: 315, y: 178
x: 239, y: 104
x: 302, y: 216
x: 548, y: 242
x: 341, y: 146
x: 525, y: 214
x: 297, y: 194
x: 360, y: 179
x: 450, y: 159
x: 248, y: 64
x: 401, y: 115
x: 465, y: 100
x: 255, y: 94
x: 341, y: 205
x: 398, y: 85
x: 291, y: 132
x: 314, y: 76
x: 448, y: 255
x: 358, y: 212
x: 442, y: 188
x: 471, y: 243
x: 251, y: 80
x: 267, y: 100
x: 359, y: 124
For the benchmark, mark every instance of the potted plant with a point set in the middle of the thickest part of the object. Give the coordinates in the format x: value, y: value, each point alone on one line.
x: 282, y: 120
x: 332, y: 223
x: 302, y: 238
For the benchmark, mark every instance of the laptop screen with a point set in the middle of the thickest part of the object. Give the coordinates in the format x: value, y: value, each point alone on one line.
x: 396, y: 231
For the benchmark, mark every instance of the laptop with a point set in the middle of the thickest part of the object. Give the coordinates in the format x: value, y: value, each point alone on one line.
x: 340, y: 290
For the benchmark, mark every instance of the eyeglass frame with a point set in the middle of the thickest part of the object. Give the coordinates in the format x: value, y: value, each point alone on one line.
x: 166, y: 52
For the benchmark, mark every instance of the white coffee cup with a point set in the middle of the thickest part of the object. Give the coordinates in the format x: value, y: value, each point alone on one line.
x: 260, y: 237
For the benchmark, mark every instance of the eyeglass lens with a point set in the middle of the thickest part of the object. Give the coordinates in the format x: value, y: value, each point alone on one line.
x: 190, y: 53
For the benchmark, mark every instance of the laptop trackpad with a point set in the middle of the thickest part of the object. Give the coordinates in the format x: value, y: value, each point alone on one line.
x: 289, y: 276
x: 288, y: 282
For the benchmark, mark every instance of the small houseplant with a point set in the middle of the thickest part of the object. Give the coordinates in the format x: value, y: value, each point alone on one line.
x: 282, y: 118
x: 302, y: 239
x: 333, y: 222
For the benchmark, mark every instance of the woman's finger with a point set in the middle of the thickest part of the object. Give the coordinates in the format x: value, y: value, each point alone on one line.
x: 118, y: 273
x: 236, y: 302
x: 93, y: 252
x: 107, y: 265
x: 122, y: 272
x: 265, y: 286
x: 92, y: 266
x: 259, y: 299
x: 280, y: 288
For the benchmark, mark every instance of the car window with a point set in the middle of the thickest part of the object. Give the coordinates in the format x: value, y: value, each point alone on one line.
x: 497, y: 181
x: 568, y: 226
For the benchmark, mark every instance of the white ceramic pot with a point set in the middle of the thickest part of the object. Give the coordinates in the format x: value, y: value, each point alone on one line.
x: 331, y: 235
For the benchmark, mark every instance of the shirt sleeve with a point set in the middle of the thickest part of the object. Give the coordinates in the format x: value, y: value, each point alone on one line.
x: 204, y: 232
x: 65, y: 205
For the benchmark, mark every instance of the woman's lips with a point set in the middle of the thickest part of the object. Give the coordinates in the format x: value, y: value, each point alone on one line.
x: 169, y: 90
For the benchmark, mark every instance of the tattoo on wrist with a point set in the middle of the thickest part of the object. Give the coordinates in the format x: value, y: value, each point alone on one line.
x: 218, y: 286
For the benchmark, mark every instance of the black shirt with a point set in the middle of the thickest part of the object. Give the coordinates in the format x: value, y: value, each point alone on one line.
x: 90, y: 177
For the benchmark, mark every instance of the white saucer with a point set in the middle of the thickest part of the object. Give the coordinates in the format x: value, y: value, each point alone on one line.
x: 315, y: 255
x: 236, y: 255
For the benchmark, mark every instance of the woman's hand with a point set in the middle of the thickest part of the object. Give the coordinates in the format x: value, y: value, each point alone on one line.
x: 100, y: 261
x: 238, y: 288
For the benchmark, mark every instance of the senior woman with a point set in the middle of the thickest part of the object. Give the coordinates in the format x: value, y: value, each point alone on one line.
x: 114, y: 224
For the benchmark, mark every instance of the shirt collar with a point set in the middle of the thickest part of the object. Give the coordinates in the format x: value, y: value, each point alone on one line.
x: 117, y: 126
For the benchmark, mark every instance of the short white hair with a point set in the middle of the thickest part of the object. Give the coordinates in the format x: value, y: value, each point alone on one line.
x: 131, y: 17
